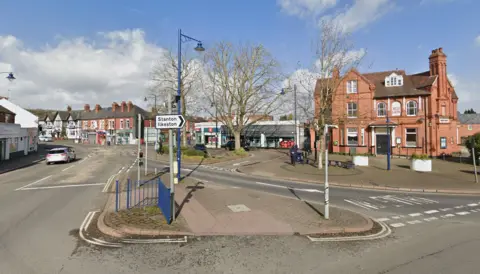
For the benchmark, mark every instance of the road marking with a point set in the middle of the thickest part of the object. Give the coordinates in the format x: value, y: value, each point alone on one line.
x: 36, y: 182
x: 460, y: 206
x: 121, y: 170
x: 415, y: 214
x: 396, y: 217
x: 448, y: 215
x: 431, y: 211
x: 473, y: 210
x: 109, y: 182
x: 414, y: 222
x: 382, y: 219
x: 237, y: 164
x: 397, y: 225
x: 431, y: 219
x: 445, y: 209
x: 472, y: 205
x: 60, y: 186
x: 463, y: 213
x: 360, y: 204
x: 82, y: 160
x: 286, y: 187
x: 65, y: 169
x: 84, y: 226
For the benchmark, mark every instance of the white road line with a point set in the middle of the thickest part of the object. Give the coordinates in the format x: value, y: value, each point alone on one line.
x: 445, y: 209
x: 460, y: 206
x: 120, y: 170
x: 286, y: 187
x: 473, y: 210
x: 68, y: 168
x: 128, y: 170
x: 463, y: 213
x: 472, y: 205
x: 88, y: 219
x: 394, y: 199
x: 237, y: 164
x: 82, y: 160
x: 382, y: 219
x: 431, y: 219
x: 448, y: 215
x: 36, y: 182
x: 415, y: 214
x: 60, y: 186
x: 396, y: 217
x: 109, y: 182
x: 397, y: 225
x: 414, y: 222
x: 369, y: 207
x: 431, y: 211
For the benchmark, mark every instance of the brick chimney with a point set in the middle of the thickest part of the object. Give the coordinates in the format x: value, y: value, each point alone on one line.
x: 336, y: 73
x: 124, y: 106
x: 69, y: 109
x: 97, y: 108
x: 86, y: 107
x: 114, y: 106
x: 130, y: 106
x: 438, y: 66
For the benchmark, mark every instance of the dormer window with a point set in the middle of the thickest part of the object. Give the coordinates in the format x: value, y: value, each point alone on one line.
x: 394, y: 80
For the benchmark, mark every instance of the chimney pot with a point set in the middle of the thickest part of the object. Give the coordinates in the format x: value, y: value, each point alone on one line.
x: 114, y: 106
x: 97, y: 108
x: 130, y: 106
x: 69, y: 108
x: 86, y: 107
x: 124, y: 104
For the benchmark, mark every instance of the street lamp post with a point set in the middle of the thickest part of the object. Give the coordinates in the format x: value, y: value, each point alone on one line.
x: 10, y: 76
x: 297, y: 137
x: 389, y: 145
x: 326, y: 185
x: 181, y: 39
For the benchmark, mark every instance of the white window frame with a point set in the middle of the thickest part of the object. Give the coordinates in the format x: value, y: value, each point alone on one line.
x: 353, y: 109
x: 352, y: 86
x: 85, y: 124
x: 470, y: 127
x: 127, y: 123
x: 409, y: 108
x: 384, y: 109
x: 362, y: 136
x: 111, y: 124
x: 407, y: 144
x: 352, y: 132
x: 121, y: 123
x: 102, y: 124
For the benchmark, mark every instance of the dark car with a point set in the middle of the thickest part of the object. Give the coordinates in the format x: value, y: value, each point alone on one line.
x: 230, y: 145
x: 200, y: 147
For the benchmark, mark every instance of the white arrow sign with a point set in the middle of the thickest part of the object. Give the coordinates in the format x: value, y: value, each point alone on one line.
x: 169, y: 121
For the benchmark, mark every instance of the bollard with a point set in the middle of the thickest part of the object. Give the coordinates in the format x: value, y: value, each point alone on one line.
x: 134, y: 194
x: 116, y: 196
x: 128, y: 194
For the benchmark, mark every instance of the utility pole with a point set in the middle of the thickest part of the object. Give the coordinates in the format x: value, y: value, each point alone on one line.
x: 326, y: 186
x: 474, y: 160
x: 389, y: 145
x: 170, y: 158
x: 297, y: 133
x: 146, y: 154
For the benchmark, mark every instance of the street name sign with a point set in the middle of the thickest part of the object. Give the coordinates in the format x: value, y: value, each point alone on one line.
x: 169, y: 121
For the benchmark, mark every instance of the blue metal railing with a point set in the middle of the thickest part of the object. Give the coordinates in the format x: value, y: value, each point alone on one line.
x: 137, y: 194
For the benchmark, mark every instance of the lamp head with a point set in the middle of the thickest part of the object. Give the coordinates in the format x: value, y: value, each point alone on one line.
x: 199, y: 47
x: 282, y: 92
x: 10, y: 77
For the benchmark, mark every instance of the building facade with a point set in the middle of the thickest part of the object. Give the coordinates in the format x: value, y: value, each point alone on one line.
x: 27, y: 139
x: 420, y: 110
x: 14, y: 140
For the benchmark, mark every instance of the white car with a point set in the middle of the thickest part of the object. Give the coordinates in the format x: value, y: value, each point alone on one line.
x: 61, y: 154
x: 45, y: 138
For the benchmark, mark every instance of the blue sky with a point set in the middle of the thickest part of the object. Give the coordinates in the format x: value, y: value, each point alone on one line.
x: 401, y: 34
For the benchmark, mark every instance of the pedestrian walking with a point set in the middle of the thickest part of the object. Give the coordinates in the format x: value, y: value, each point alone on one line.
x: 293, y: 154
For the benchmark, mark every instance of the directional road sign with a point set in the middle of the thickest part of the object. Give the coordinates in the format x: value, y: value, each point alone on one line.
x: 169, y: 121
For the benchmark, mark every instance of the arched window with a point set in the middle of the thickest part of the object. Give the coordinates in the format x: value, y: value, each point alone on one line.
x: 396, y: 109
x: 411, y: 108
x: 352, y: 110
x: 381, y: 109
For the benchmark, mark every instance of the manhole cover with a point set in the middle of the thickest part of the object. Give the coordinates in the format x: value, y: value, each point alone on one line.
x: 239, y: 208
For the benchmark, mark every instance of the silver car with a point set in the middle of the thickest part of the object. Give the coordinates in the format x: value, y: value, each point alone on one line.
x: 62, y: 154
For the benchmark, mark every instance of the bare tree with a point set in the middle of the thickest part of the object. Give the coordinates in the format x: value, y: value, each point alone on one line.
x: 164, y: 78
x: 244, y: 84
x: 334, y: 56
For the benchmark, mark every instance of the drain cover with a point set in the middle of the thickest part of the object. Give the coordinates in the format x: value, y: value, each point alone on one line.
x: 239, y: 208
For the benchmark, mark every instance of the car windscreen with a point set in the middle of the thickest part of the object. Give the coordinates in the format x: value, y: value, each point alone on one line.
x: 56, y: 151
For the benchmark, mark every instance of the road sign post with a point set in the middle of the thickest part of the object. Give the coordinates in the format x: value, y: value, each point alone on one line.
x: 170, y: 122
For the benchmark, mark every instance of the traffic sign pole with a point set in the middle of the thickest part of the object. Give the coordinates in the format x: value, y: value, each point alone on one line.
x: 170, y: 158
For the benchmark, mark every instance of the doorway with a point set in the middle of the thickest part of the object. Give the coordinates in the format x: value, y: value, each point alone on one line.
x: 381, y: 144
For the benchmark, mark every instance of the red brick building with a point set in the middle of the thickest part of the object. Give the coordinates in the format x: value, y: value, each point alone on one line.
x: 422, y: 111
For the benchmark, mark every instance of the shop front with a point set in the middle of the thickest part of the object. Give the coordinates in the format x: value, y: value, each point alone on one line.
x: 125, y: 137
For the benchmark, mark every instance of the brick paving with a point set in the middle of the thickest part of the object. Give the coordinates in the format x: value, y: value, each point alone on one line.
x: 446, y: 175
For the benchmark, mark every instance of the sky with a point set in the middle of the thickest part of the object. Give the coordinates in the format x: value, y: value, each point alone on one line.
x: 97, y: 52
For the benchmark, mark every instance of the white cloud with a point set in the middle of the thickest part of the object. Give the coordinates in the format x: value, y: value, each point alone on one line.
x: 466, y: 91
x: 350, y: 18
x: 115, y: 66
x: 477, y: 41
x: 304, y: 8
x: 362, y: 13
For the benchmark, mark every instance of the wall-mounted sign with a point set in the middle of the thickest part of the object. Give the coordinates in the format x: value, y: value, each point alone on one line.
x: 398, y: 140
x: 396, y: 109
x: 443, y: 142
x: 444, y: 120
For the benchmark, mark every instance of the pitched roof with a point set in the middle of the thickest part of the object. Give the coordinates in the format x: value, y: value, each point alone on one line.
x: 5, y: 110
x: 106, y: 113
x: 469, y: 118
x: 412, y: 84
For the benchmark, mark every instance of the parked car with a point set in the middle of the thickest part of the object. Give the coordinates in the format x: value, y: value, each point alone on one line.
x: 230, y: 145
x: 200, y: 147
x: 45, y: 138
x: 61, y: 154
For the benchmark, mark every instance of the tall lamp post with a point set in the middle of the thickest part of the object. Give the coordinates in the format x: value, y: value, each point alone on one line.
x: 326, y: 185
x: 10, y: 78
x: 216, y: 124
x: 389, y: 144
x: 182, y: 38
x: 284, y: 91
